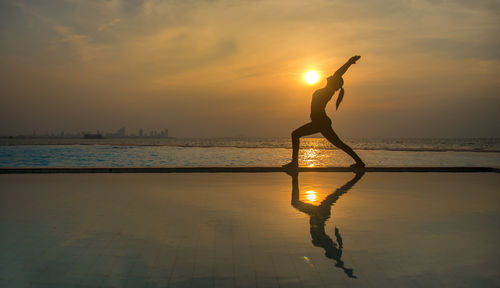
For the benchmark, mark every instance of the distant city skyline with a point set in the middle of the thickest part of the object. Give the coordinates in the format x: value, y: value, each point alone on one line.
x: 121, y: 132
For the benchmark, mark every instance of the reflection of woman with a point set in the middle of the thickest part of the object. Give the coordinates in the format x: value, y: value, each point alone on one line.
x: 318, y: 217
x: 320, y: 121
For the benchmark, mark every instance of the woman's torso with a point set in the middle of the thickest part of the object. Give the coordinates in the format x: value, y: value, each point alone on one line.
x: 319, y: 101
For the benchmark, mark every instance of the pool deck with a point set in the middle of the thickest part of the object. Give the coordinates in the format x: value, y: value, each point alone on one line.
x: 78, y: 170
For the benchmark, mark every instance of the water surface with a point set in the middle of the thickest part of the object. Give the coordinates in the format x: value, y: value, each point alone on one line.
x: 139, y: 152
x: 251, y: 230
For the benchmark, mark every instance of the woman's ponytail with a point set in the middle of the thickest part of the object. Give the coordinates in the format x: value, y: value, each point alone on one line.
x: 341, y: 96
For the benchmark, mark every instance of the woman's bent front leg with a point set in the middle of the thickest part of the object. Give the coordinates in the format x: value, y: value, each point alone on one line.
x: 304, y: 130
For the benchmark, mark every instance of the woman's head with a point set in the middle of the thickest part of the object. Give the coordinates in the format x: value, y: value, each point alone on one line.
x: 335, y: 82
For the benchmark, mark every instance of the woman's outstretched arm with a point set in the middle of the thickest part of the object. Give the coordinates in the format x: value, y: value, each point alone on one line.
x: 346, y: 66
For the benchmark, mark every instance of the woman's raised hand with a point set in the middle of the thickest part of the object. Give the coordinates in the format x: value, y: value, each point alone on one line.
x: 354, y: 59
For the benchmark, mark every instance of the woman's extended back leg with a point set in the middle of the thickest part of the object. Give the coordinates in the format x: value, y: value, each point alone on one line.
x: 331, y: 136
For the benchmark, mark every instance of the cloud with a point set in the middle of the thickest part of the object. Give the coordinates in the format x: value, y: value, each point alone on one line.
x: 84, y: 50
x: 486, y: 49
x: 109, y: 24
x: 80, y: 44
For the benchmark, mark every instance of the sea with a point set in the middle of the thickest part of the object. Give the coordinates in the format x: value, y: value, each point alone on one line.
x: 244, y: 152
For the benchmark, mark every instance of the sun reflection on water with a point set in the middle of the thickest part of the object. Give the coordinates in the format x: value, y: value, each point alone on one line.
x: 311, y: 196
x: 312, y: 157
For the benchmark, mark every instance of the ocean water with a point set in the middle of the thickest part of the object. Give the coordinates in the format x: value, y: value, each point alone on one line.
x: 315, y: 152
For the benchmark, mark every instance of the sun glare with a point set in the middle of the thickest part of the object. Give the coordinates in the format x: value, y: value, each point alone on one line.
x: 311, y: 196
x: 311, y: 77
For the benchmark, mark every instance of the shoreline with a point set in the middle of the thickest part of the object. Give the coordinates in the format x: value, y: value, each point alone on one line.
x: 479, y: 145
x: 93, y: 170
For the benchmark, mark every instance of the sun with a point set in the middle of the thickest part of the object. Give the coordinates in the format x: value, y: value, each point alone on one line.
x: 311, y: 77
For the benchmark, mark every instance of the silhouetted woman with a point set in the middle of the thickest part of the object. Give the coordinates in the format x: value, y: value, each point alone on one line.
x: 320, y: 121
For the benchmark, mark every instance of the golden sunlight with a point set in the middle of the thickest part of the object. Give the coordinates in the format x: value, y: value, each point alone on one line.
x: 310, y: 157
x: 311, y: 77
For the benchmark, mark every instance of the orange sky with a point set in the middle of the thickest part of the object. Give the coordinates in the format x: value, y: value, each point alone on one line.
x: 235, y: 68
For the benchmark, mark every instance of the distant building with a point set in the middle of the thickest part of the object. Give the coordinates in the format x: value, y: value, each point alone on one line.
x: 93, y: 136
x: 120, y: 132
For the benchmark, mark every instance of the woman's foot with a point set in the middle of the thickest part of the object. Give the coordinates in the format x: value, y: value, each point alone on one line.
x: 291, y: 165
x: 358, y: 165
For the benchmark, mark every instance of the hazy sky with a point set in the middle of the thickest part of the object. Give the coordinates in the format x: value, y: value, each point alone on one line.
x: 235, y: 68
